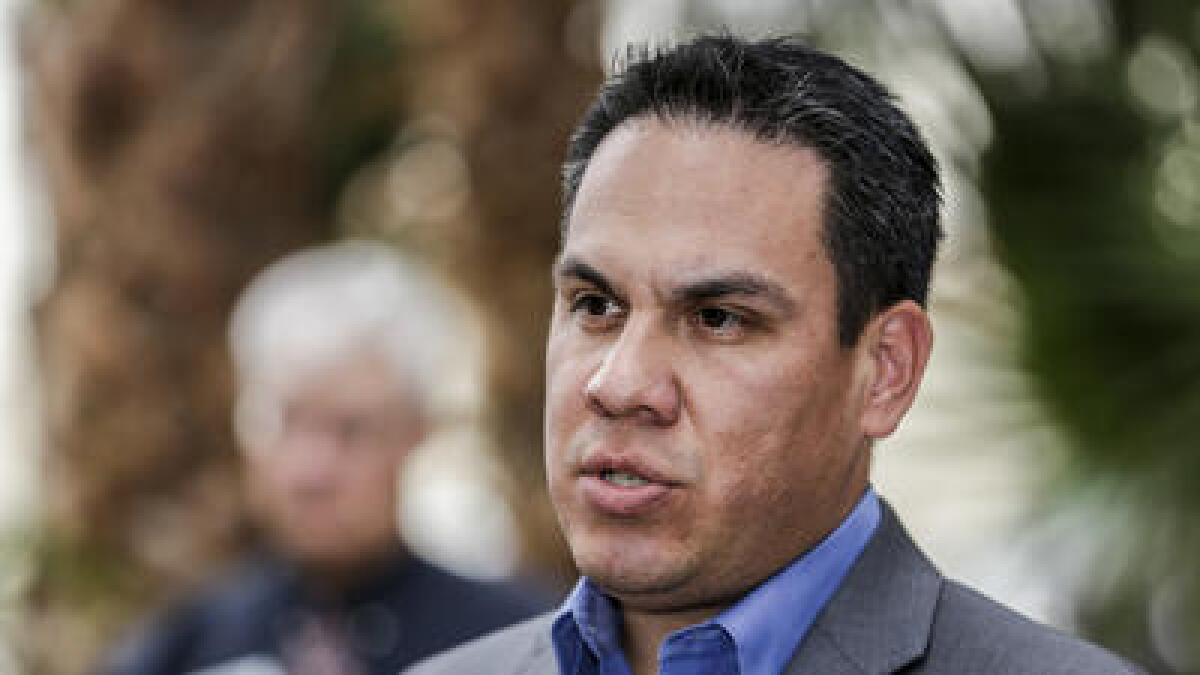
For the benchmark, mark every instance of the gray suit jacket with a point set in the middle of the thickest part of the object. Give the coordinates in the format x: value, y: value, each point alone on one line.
x: 894, y: 613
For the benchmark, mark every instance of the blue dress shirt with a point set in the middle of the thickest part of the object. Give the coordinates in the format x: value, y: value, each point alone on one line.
x: 756, y: 636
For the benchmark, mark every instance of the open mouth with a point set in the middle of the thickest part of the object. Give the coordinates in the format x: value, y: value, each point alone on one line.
x: 623, y: 487
x: 623, y: 478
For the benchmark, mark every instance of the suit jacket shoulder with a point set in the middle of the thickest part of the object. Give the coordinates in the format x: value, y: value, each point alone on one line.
x: 894, y: 613
x: 982, y: 636
x: 522, y: 649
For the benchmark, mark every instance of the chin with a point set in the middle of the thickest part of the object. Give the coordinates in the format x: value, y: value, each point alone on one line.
x: 632, y: 569
x: 319, y: 546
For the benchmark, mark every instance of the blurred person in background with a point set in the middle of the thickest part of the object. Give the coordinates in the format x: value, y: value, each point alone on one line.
x: 336, y: 351
x: 748, y: 238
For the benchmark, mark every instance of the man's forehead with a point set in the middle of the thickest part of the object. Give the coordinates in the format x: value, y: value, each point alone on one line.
x: 705, y: 147
x: 708, y: 184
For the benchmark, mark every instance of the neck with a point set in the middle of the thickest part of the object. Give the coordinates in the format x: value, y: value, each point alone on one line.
x: 328, y: 579
x: 643, y: 633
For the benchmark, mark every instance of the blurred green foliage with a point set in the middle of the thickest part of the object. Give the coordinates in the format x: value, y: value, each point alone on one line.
x: 1079, y: 191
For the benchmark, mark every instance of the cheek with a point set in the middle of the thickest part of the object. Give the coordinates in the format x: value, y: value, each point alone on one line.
x: 270, y: 480
x: 765, y: 401
x: 380, y: 477
x: 567, y: 372
x: 754, y: 462
x: 767, y: 427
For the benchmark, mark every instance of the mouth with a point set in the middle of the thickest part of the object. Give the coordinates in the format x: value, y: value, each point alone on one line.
x: 625, y: 471
x: 623, y: 478
x: 624, y: 488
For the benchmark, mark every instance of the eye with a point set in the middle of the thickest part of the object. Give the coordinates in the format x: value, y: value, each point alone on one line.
x: 720, y: 321
x: 351, y: 430
x: 595, y: 309
x: 592, y: 304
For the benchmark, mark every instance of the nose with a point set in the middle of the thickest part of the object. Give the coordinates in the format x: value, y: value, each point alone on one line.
x: 636, y: 379
x: 315, y: 463
x: 310, y: 454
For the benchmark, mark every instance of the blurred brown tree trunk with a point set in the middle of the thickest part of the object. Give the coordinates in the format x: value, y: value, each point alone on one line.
x: 511, y: 78
x: 184, y: 145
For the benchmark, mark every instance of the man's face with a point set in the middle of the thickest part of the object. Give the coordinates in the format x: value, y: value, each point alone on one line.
x: 324, y: 478
x: 702, y: 420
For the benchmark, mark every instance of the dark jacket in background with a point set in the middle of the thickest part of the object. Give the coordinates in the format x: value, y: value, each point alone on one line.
x: 408, y: 610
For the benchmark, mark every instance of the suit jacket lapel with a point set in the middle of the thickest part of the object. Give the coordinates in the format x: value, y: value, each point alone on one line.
x: 879, y: 619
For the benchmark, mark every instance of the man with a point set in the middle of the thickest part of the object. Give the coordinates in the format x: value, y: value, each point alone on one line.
x: 335, y: 355
x: 749, y: 230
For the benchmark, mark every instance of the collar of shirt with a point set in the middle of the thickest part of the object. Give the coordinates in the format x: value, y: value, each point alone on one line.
x: 759, y: 633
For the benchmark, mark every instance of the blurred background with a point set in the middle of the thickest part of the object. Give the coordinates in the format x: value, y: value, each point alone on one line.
x: 155, y: 154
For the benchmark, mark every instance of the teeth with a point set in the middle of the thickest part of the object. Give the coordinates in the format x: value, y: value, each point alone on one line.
x: 624, y: 479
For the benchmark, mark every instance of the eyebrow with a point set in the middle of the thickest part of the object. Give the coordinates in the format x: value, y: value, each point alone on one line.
x: 574, y: 268
x: 734, y: 283
x: 693, y: 292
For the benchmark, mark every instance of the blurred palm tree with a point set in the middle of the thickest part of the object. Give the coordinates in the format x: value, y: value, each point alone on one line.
x: 502, y: 84
x: 1093, y: 185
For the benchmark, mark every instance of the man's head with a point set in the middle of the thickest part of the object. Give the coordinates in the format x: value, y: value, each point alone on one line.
x: 748, y: 238
x: 333, y: 348
x: 880, y: 212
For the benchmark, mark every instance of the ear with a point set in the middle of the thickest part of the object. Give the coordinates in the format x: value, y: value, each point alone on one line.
x: 897, y: 343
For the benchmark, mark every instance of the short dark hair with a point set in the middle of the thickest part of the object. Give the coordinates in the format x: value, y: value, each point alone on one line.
x: 881, y: 225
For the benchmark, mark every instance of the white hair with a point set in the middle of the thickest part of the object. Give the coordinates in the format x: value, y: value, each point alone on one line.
x: 316, y: 306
